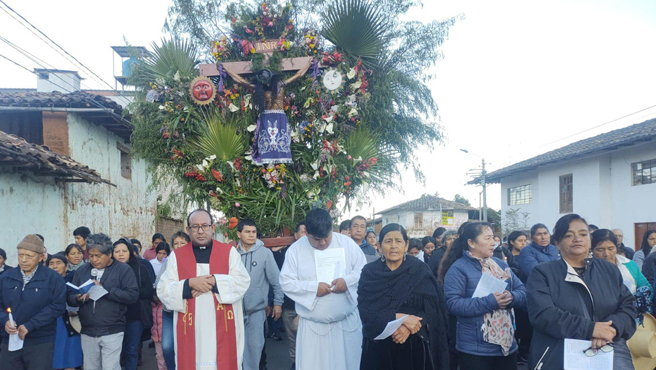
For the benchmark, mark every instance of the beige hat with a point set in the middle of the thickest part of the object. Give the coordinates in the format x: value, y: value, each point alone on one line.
x: 643, y: 345
x: 32, y: 243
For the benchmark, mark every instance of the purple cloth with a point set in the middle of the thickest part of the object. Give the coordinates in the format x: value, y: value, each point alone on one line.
x: 272, y: 139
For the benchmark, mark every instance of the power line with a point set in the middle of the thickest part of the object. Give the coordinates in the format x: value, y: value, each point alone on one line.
x: 594, y: 127
x: 62, y: 49
x: 91, y: 101
x: 36, y: 60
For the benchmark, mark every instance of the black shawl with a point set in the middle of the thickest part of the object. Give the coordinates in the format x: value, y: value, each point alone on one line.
x: 381, y: 292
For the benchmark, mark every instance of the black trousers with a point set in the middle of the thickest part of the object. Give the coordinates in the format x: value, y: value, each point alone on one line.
x: 35, y: 357
x: 474, y: 362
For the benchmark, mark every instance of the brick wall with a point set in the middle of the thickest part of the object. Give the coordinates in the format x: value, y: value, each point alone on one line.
x: 55, y: 132
x: 168, y: 227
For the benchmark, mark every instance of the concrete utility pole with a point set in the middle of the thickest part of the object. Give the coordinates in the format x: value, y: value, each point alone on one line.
x: 484, y: 191
x: 482, y: 176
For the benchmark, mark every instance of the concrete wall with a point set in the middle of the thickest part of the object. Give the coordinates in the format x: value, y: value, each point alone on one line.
x: 37, y: 205
x: 431, y: 220
x: 602, y: 191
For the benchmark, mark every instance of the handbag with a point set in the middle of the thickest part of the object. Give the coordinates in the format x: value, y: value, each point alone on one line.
x: 145, y: 310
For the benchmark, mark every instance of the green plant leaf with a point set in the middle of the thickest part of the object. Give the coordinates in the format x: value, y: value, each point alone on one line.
x: 358, y: 28
x: 220, y: 138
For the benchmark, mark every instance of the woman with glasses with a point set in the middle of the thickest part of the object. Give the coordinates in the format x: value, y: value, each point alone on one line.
x: 576, y: 297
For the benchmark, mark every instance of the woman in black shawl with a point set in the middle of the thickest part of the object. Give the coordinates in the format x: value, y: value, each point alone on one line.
x: 390, y: 288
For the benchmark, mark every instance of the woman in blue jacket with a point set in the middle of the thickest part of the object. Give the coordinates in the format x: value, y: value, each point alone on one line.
x: 485, y: 335
x: 539, y: 251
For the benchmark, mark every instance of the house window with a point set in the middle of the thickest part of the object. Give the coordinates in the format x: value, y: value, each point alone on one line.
x: 28, y: 125
x: 566, y: 201
x: 520, y: 195
x: 419, y: 220
x: 644, y: 173
x: 126, y: 161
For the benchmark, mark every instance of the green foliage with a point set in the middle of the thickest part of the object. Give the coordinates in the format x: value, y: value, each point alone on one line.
x: 173, y: 60
x: 346, y: 18
x: 219, y: 138
x: 462, y: 200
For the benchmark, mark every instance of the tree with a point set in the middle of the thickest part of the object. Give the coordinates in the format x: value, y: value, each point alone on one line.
x: 494, y: 217
x: 462, y: 200
x: 402, y: 110
x: 515, y: 220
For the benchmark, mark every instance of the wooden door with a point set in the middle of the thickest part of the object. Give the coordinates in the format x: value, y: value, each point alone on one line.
x: 640, y: 230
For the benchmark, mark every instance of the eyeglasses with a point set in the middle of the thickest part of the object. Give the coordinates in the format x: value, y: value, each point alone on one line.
x: 196, y: 228
x: 593, y: 352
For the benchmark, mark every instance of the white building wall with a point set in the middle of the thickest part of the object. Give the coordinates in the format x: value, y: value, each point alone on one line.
x: 431, y: 220
x: 631, y: 204
x: 39, y: 205
x: 602, y: 191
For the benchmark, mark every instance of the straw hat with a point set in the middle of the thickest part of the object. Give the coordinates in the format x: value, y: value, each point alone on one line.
x: 643, y: 345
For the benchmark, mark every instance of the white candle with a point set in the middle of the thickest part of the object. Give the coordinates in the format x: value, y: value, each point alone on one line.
x: 11, y: 319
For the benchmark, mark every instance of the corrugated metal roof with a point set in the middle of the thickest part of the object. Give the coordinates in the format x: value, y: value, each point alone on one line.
x: 428, y: 202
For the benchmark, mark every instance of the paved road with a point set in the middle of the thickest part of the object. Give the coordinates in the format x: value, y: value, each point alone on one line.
x: 277, y: 356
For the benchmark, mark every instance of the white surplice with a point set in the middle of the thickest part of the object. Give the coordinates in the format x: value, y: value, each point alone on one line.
x: 231, y: 287
x: 329, y: 333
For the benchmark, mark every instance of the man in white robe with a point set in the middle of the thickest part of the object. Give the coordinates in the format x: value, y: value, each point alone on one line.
x: 216, y: 299
x: 329, y: 333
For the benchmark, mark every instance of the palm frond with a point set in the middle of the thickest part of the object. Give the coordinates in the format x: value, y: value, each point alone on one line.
x: 358, y: 28
x: 220, y: 138
x: 174, y: 56
x: 361, y: 143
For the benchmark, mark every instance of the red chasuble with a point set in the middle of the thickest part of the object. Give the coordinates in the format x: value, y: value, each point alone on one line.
x: 226, y: 352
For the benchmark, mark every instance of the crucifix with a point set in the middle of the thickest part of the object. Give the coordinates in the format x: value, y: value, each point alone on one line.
x: 272, y: 143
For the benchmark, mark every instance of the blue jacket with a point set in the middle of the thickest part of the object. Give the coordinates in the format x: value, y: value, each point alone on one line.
x: 36, y: 305
x: 533, y: 255
x: 459, y: 285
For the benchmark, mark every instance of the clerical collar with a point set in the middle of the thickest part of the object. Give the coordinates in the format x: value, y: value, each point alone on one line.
x: 201, y: 247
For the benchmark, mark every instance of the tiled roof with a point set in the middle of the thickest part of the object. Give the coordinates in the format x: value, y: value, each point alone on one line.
x: 108, y: 113
x: 428, y: 202
x: 613, y: 140
x: 17, y: 153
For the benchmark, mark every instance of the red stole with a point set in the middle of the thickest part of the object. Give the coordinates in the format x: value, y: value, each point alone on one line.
x: 226, y: 351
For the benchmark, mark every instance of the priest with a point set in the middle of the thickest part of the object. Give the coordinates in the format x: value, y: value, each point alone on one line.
x: 321, y: 274
x: 204, y: 284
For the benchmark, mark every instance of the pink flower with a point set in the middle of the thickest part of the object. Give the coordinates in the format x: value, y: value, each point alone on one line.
x: 270, y: 24
x: 237, y: 204
x: 349, y: 157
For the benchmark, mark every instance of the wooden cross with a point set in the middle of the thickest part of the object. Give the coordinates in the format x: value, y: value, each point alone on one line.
x: 261, y: 47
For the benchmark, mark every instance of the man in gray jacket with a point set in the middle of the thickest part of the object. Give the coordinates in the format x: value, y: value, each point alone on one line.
x: 262, y: 268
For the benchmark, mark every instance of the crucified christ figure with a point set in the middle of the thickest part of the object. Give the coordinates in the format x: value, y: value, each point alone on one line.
x: 273, y: 138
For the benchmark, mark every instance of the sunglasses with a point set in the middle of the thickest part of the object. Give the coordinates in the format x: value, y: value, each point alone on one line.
x: 593, y: 352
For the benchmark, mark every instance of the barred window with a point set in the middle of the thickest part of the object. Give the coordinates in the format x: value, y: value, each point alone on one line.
x: 644, y: 173
x: 566, y: 194
x: 520, y: 195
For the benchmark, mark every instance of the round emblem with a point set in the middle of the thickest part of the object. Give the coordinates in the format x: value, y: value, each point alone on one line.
x: 332, y: 80
x: 254, y: 263
x: 202, y: 90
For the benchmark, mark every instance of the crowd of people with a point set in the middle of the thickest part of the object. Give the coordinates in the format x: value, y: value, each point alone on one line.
x: 209, y: 305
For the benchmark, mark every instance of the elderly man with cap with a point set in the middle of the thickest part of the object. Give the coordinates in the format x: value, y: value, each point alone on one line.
x: 36, y: 296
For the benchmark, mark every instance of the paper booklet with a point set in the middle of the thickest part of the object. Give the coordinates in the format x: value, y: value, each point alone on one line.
x: 84, y: 288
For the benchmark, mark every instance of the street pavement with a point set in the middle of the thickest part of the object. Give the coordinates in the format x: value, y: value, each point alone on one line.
x: 277, y: 356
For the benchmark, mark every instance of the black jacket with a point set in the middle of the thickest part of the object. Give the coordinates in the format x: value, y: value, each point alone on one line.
x: 560, y: 306
x: 436, y: 259
x: 37, y: 305
x: 107, y: 315
x: 628, y: 252
x: 649, y: 268
x: 145, y: 283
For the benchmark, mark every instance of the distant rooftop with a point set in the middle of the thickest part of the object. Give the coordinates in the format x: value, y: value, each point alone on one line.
x: 128, y: 51
x: 429, y: 202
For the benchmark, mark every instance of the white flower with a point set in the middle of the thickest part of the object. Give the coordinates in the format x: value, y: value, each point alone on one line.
x: 251, y: 128
x: 356, y: 85
x: 231, y: 164
x: 351, y: 73
x: 353, y: 113
x: 329, y: 128
x: 233, y: 108
x: 200, y: 167
x: 315, y: 165
x: 177, y: 76
x: 335, y: 108
x: 219, y: 190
